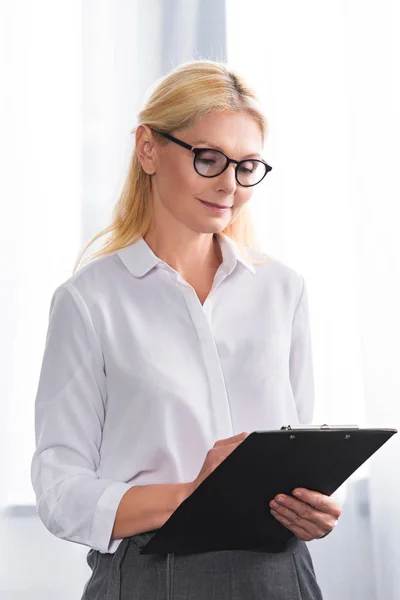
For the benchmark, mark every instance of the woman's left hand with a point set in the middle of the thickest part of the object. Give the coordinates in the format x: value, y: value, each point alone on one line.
x: 310, y: 515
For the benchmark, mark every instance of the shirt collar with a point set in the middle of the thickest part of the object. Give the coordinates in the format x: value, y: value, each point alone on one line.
x: 139, y: 258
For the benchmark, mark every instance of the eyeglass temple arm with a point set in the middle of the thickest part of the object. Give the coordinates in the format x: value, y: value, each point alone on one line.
x: 174, y: 139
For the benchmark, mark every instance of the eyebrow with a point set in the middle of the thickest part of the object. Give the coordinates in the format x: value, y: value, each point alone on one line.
x: 216, y: 147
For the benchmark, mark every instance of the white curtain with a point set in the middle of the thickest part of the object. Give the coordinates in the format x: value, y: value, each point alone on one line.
x: 40, y: 197
x: 329, y: 76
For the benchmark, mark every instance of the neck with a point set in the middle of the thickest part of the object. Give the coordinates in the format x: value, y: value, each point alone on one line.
x: 196, y: 256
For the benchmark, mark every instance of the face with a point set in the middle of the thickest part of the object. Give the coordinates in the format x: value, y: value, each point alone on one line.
x: 179, y: 192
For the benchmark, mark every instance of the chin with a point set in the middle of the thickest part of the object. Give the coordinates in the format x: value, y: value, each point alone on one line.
x: 212, y: 227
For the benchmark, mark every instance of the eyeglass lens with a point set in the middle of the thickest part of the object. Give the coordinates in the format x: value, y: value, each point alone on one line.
x: 210, y: 163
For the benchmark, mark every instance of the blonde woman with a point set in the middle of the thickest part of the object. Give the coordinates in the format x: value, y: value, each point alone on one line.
x: 174, y: 342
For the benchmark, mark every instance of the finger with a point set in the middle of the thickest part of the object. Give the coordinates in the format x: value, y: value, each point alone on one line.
x: 224, y: 448
x: 313, y: 522
x: 231, y: 440
x: 222, y: 451
x: 325, y: 506
x: 302, y: 509
x: 300, y: 532
x: 320, y: 502
x: 303, y: 512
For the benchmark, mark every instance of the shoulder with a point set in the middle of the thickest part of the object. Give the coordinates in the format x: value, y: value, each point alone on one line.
x: 93, y: 279
x: 276, y: 272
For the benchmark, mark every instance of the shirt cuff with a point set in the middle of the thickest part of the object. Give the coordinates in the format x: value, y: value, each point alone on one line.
x: 104, y: 517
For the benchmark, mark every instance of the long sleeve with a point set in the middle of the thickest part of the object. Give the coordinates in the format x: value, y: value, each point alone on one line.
x: 300, y: 364
x: 72, y: 502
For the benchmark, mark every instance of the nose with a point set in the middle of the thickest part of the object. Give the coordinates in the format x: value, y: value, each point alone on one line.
x: 227, y: 180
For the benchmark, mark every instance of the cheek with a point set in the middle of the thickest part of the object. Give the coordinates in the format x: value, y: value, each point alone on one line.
x: 176, y: 182
x: 243, y: 195
x: 196, y: 186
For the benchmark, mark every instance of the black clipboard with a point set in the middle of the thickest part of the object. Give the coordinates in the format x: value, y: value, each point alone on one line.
x: 230, y: 508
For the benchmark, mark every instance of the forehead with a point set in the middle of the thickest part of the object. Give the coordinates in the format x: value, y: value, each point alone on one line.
x: 236, y: 133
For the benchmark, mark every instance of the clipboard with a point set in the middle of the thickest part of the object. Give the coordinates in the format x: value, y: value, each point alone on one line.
x: 229, y: 510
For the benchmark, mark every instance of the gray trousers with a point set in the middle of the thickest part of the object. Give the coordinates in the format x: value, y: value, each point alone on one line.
x: 220, y: 575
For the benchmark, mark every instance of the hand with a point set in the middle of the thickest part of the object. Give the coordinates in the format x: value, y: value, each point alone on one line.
x: 310, y: 515
x: 215, y: 456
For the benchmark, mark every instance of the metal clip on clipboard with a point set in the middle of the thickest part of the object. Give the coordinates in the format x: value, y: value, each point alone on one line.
x: 318, y: 427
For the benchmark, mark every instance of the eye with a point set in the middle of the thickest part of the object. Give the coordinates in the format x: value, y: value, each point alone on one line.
x: 209, y: 156
x: 209, y: 162
x: 248, y: 167
x: 206, y: 161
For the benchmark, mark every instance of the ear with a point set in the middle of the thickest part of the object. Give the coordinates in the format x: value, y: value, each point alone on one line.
x: 145, y: 149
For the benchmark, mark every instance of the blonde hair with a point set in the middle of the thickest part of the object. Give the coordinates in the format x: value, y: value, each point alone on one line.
x: 190, y: 91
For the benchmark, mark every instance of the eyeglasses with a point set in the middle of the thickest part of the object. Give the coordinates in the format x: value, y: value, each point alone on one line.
x: 211, y: 163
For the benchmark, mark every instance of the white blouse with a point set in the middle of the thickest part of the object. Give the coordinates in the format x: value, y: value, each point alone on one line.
x: 139, y: 379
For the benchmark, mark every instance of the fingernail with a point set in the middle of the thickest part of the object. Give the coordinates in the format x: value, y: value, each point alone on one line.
x: 281, y: 500
x: 297, y: 494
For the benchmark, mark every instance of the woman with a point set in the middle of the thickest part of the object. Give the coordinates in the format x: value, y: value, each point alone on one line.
x: 166, y: 350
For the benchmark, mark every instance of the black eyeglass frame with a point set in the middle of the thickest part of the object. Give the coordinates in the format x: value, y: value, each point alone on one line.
x: 196, y: 151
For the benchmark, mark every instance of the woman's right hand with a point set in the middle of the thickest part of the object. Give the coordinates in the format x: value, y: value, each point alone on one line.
x: 215, y: 456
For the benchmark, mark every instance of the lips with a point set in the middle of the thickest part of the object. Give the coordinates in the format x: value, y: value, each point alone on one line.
x: 216, y: 205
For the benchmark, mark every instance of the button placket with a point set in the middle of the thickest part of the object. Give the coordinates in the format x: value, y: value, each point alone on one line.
x: 220, y: 414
